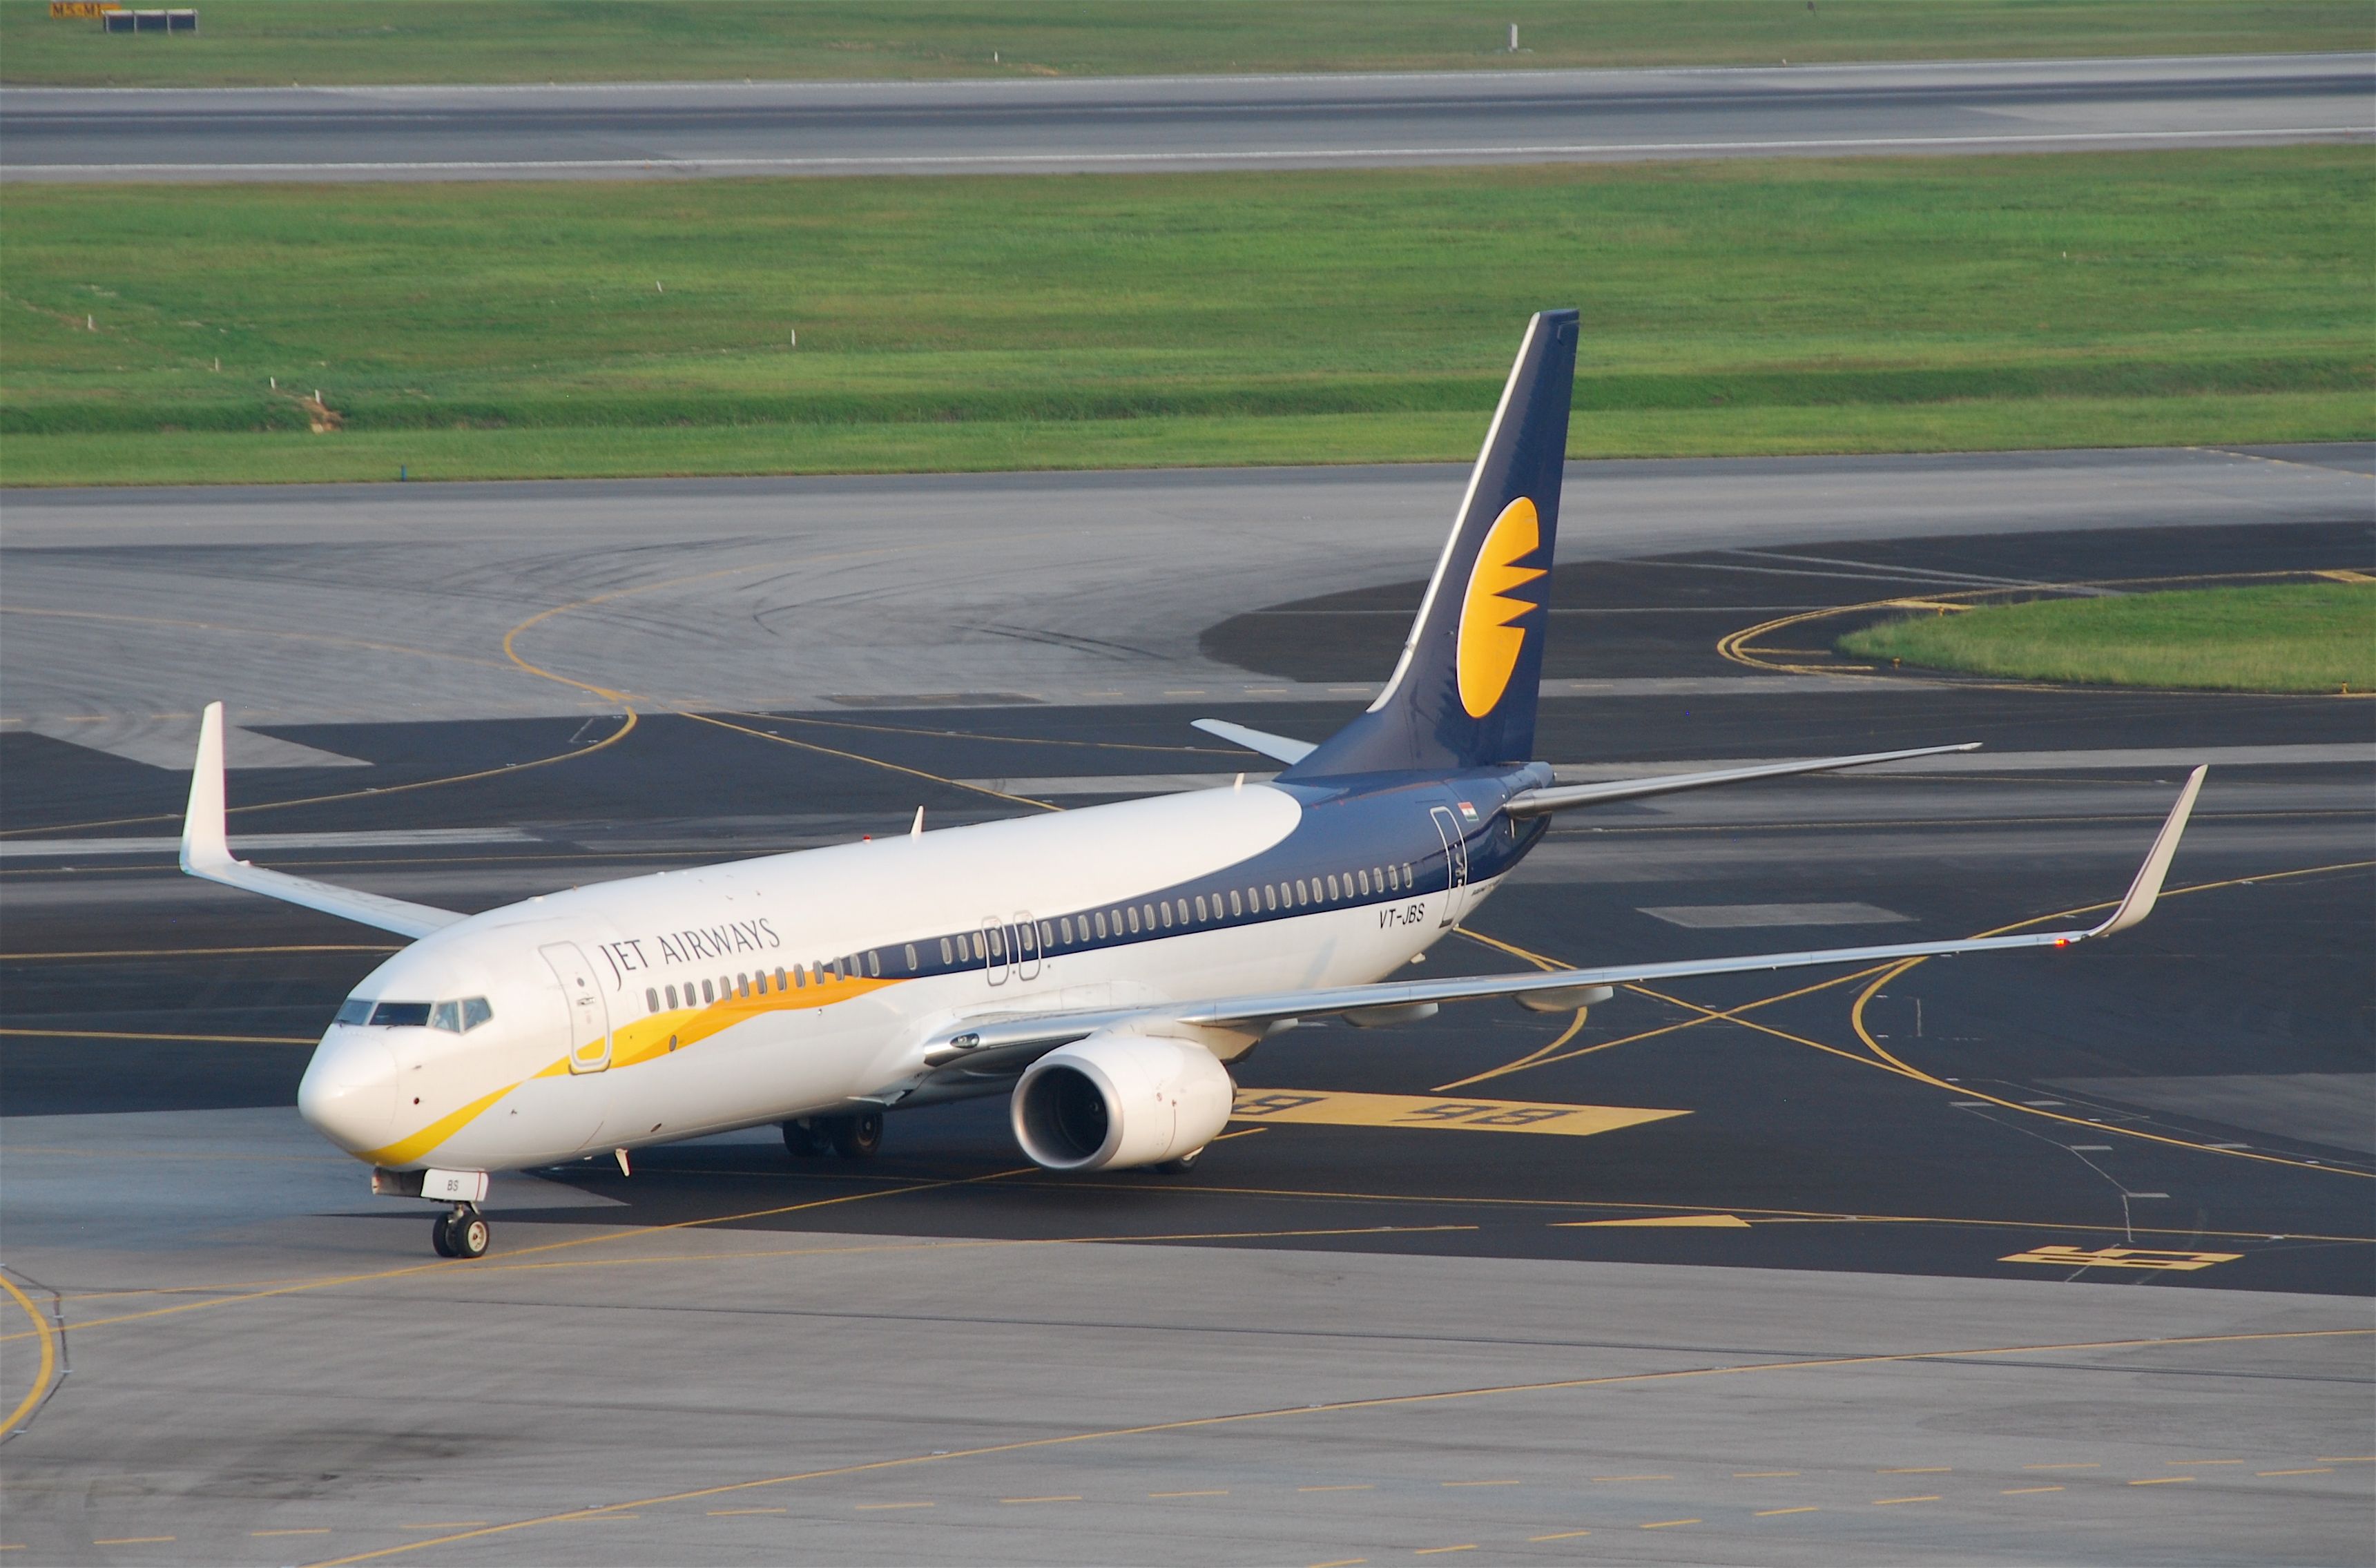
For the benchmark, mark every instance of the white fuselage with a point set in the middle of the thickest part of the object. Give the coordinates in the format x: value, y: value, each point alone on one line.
x: 685, y: 1002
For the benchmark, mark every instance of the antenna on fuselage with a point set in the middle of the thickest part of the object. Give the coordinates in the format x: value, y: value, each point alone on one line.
x: 918, y: 830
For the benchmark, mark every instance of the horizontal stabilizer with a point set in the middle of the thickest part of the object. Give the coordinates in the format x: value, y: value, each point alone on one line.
x: 1285, y: 748
x: 206, y: 853
x: 1567, y: 797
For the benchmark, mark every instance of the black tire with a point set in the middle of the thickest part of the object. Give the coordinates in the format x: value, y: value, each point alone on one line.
x: 1182, y: 1166
x: 440, y: 1236
x: 467, y: 1233
x: 858, y: 1138
x: 804, y: 1139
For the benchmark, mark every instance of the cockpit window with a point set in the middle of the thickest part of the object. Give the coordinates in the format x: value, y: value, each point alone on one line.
x: 401, y: 1015
x: 454, y: 1017
x: 354, y: 1010
x: 475, y: 1012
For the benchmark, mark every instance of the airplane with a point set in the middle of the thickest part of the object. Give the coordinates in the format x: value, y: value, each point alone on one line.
x: 1100, y: 967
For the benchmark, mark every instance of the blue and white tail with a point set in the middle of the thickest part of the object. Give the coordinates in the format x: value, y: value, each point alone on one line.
x: 1463, y: 693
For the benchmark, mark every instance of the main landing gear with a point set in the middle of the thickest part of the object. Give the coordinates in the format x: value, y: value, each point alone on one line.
x: 463, y: 1233
x: 852, y: 1137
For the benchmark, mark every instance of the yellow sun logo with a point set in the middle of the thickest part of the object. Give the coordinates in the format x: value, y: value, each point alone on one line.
x: 1490, y: 644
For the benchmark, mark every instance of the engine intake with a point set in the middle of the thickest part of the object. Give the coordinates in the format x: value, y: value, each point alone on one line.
x: 1112, y: 1101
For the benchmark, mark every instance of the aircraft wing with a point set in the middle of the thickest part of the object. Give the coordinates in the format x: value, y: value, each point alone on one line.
x: 1566, y: 797
x: 1286, y: 748
x: 1015, y: 1040
x: 206, y: 852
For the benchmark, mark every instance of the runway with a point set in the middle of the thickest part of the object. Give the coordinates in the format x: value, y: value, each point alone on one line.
x: 1146, y: 124
x: 2051, y: 1258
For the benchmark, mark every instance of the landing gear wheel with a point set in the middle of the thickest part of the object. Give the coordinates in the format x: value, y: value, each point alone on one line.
x: 804, y: 1138
x: 1182, y: 1166
x: 858, y: 1138
x: 462, y: 1234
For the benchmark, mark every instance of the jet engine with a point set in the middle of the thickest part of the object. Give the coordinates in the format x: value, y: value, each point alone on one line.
x: 1113, y: 1101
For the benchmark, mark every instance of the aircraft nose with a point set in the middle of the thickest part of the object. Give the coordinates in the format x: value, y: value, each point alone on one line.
x: 348, y: 1091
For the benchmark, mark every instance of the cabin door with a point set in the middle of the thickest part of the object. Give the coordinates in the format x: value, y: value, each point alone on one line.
x: 590, y: 1022
x: 1455, y: 861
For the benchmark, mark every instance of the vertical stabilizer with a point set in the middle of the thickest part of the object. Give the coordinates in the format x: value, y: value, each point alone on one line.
x: 1463, y: 693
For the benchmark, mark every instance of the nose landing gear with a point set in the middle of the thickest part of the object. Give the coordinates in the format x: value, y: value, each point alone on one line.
x: 463, y: 1233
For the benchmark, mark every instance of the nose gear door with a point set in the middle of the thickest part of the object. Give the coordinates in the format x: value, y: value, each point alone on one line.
x: 1455, y: 861
x: 589, y: 1021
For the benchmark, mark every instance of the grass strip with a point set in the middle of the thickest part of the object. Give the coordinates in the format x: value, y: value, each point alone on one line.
x: 2115, y: 299
x: 278, y: 43
x: 2289, y: 637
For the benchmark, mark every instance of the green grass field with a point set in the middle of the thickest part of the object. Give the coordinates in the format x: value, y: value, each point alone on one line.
x: 562, y: 328
x: 2291, y: 638
x: 273, y: 43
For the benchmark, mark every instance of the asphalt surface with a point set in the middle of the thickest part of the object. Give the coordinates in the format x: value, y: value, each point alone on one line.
x: 2051, y: 1258
x: 1052, y: 126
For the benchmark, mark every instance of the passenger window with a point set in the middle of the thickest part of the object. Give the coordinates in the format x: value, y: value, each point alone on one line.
x: 911, y: 957
x: 1236, y: 908
x: 1167, y: 914
x: 801, y: 976
x: 446, y: 1016
x: 965, y: 951
x: 783, y: 983
x: 997, y: 943
x: 1047, y: 935
x: 1362, y: 878
x: 1332, y: 888
x: 672, y: 996
x: 651, y: 999
x: 946, y: 956
x: 875, y: 962
x: 1064, y: 928
x: 1200, y: 908
x: 353, y: 1010
x: 1101, y: 922
x: 1300, y: 896
x: 1148, y: 910
x: 707, y: 993
x: 1406, y: 873
x: 401, y: 1015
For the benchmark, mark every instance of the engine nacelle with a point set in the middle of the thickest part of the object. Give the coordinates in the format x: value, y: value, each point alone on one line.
x: 1112, y: 1101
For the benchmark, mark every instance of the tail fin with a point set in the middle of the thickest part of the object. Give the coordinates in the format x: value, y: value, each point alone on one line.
x: 1463, y: 695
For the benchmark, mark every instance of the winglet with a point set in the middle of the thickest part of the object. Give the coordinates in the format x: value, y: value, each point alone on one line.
x: 204, y: 845
x: 2147, y: 886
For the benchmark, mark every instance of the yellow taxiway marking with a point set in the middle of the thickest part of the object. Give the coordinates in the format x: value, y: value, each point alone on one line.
x: 2315, y: 1471
x: 2347, y: 1459
x: 2120, y: 1257
x: 2162, y: 1481
x: 737, y: 1513
x: 2025, y: 1490
x: 1223, y: 1494
x: 36, y: 957
x: 1802, y: 1508
x: 1668, y: 1524
x: 1659, y: 1222
x: 1342, y: 1110
x: 1892, y: 1502
x: 197, y: 1039
x: 446, y: 1525
x: 1438, y: 1550
x: 1344, y: 1407
x: 315, y: 1530
x: 134, y: 1540
x: 44, y: 1369
x: 1342, y: 1563
x: 878, y: 1507
x: 1562, y: 1535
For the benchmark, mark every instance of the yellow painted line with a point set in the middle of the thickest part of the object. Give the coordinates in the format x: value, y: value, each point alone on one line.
x: 48, y: 1364
x: 34, y: 958
x: 2347, y: 1459
x: 317, y: 1530
x: 1340, y: 1110
x: 1564, y: 1535
x: 1803, y: 1508
x: 1483, y: 1483
x: 1342, y: 1563
x: 136, y: 1540
x: 1894, y: 1502
x: 2120, y: 1257
x: 1669, y: 1524
x: 1761, y: 1475
x: 1343, y: 1406
x: 451, y: 1523
x: 1439, y: 1551
x: 878, y: 1507
x: 1918, y: 1470
x: 1659, y: 1222
x: 2318, y: 1470
x: 737, y: 1513
x: 2162, y: 1481
x: 1337, y: 1489
x: 2025, y: 1490
x: 1072, y: 1499
x: 2069, y: 1466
